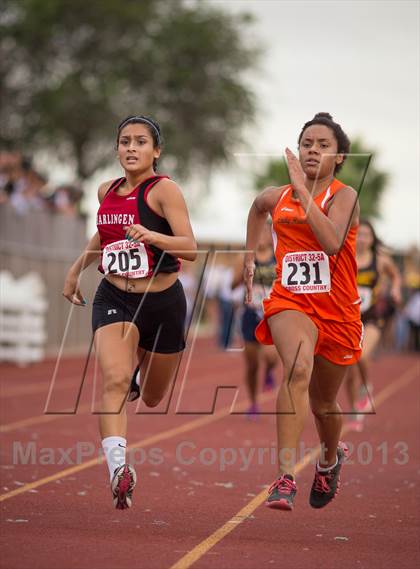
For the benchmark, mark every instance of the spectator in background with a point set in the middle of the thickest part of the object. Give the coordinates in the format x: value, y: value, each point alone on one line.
x: 27, y: 190
x: 226, y: 306
x: 66, y: 200
x: 220, y: 307
x: 10, y: 173
x: 408, y: 322
x: 29, y: 195
x: 412, y: 313
x: 189, y: 281
x: 20, y: 183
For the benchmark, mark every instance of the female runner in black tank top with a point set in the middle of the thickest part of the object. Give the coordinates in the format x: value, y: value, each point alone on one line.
x: 373, y: 267
x: 139, y: 308
x: 255, y: 353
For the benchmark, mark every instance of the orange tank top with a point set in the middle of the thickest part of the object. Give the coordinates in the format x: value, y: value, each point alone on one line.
x: 306, y: 276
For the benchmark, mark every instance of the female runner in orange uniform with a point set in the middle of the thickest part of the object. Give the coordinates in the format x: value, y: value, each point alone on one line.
x: 312, y: 314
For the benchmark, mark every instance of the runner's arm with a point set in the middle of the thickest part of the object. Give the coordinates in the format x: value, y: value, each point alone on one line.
x: 263, y: 204
x: 91, y: 252
x: 182, y: 243
x: 331, y: 229
x: 391, y: 270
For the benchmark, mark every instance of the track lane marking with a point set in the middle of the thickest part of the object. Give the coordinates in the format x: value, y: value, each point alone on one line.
x: 37, y: 419
x: 164, y: 435
x: 45, y: 418
x: 17, y: 390
x: 203, y: 547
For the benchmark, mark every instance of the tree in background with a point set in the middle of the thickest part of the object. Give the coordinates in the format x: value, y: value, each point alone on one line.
x: 70, y: 70
x: 359, y: 172
x: 276, y: 174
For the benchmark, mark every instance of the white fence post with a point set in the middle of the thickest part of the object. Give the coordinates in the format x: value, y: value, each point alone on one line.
x: 22, y: 318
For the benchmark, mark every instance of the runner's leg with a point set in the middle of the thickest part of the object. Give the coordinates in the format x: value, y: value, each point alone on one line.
x: 371, y: 338
x: 116, y: 348
x: 270, y: 358
x: 251, y: 353
x: 351, y: 383
x: 370, y: 342
x: 157, y: 372
x: 325, y: 383
x: 295, y: 337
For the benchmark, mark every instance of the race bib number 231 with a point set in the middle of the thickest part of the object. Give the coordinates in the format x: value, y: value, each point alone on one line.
x: 306, y: 272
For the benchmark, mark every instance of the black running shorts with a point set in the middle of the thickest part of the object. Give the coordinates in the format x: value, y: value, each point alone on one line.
x: 159, y: 316
x: 249, y: 321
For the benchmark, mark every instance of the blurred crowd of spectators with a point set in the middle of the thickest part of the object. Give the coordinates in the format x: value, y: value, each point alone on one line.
x: 28, y: 190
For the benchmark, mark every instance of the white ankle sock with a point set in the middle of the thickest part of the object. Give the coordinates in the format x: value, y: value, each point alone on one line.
x: 323, y: 469
x: 114, y: 449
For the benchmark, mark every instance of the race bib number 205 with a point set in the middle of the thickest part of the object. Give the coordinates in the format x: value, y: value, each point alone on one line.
x: 306, y: 272
x: 126, y: 259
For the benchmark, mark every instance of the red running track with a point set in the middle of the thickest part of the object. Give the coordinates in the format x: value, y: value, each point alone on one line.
x: 197, y: 504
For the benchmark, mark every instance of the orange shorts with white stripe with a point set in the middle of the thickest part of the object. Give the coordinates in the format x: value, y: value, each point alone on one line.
x: 338, y: 342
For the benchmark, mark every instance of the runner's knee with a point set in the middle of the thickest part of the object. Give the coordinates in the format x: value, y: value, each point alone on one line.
x: 116, y: 382
x: 321, y: 407
x: 298, y: 375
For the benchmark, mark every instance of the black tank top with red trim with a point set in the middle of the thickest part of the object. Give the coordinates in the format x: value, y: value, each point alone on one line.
x: 127, y: 258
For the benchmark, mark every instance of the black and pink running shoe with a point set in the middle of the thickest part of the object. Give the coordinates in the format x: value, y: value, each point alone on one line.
x: 326, y: 485
x: 122, y: 486
x: 282, y: 493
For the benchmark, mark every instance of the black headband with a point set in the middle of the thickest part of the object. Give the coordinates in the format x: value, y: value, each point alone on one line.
x: 143, y: 120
